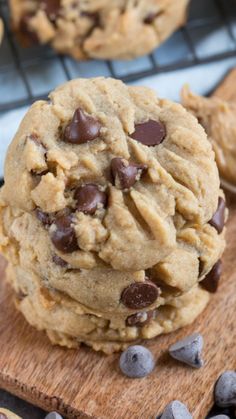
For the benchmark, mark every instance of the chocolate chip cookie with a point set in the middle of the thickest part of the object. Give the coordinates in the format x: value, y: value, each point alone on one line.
x: 117, y: 29
x: 112, y: 217
x: 218, y: 118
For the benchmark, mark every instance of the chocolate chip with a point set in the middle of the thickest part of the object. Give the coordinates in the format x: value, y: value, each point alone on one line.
x: 51, y: 8
x: 136, y: 362
x: 149, y: 19
x: 82, y: 128
x: 89, y: 198
x: 140, y: 319
x: 43, y: 217
x: 125, y: 174
x: 211, y: 280
x: 149, y: 133
x: 188, y: 350
x: 59, y: 261
x: 53, y: 415
x: 140, y: 295
x: 220, y: 417
x: 201, y: 267
x: 218, y: 219
x: 26, y: 35
x: 63, y: 235
x: 225, y: 389
x: 176, y: 410
x: 3, y: 416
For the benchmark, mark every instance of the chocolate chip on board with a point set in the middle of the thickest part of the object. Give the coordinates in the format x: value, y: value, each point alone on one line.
x: 89, y: 198
x: 136, y: 362
x: 225, y: 389
x: 211, y: 280
x: 53, y: 415
x: 188, y: 350
x: 140, y: 319
x: 140, y: 295
x: 63, y: 234
x: 51, y: 7
x: 218, y: 219
x: 149, y: 133
x: 82, y: 128
x: 125, y: 173
x: 176, y: 410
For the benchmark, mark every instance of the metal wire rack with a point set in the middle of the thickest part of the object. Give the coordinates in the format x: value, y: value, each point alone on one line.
x: 29, y: 74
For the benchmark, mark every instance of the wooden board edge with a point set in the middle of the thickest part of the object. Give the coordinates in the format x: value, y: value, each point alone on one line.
x: 40, y: 399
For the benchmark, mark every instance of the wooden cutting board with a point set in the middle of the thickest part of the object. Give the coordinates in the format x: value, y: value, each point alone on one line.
x: 84, y: 384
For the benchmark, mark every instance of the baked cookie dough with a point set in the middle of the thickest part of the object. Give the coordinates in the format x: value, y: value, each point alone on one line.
x: 117, y: 219
x: 218, y: 117
x: 7, y: 414
x: 117, y: 29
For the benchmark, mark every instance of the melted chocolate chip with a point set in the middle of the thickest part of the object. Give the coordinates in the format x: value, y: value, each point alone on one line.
x: 140, y: 319
x: 59, y: 261
x: 89, y: 198
x: 51, y: 8
x: 82, y: 128
x: 211, y: 281
x: 149, y: 133
x: 25, y: 34
x: 140, y: 295
x: 125, y: 174
x: 63, y: 237
x: 218, y: 219
x: 201, y: 267
x: 43, y: 217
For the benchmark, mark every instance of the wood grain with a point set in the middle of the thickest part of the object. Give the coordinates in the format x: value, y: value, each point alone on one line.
x: 84, y: 384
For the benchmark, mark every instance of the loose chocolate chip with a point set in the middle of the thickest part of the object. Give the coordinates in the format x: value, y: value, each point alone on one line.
x: 44, y: 217
x: 149, y: 133
x: 51, y: 8
x: 89, y: 198
x: 26, y: 35
x: 136, y: 361
x: 176, y: 410
x: 188, y: 350
x: 220, y: 417
x: 125, y: 174
x: 140, y: 295
x: 3, y: 416
x: 82, y: 128
x: 63, y: 235
x: 218, y: 219
x: 140, y: 319
x: 211, y: 280
x: 59, y: 261
x: 53, y: 415
x: 225, y: 389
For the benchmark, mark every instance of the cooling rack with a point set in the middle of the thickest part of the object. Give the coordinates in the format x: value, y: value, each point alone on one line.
x: 29, y: 74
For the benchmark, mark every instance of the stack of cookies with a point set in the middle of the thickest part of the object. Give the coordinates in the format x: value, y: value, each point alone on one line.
x: 112, y: 217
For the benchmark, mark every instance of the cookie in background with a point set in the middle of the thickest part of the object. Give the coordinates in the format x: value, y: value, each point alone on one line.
x: 100, y: 29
